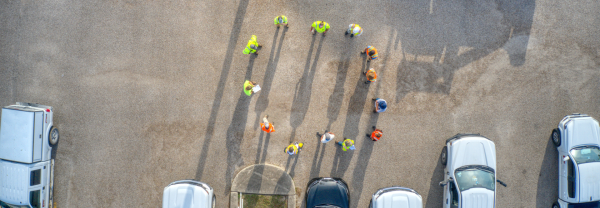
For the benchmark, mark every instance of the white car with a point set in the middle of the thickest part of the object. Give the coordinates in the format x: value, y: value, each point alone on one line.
x: 397, y: 197
x: 188, y: 194
x: 469, y: 172
x: 577, y: 139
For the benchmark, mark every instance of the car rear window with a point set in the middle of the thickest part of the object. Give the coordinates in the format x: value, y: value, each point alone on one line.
x: 36, y: 177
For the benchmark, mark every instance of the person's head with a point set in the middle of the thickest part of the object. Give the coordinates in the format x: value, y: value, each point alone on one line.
x: 348, y: 143
x: 382, y: 105
x: 253, y: 46
x: 290, y: 150
x: 370, y: 75
x: 371, y: 53
x: 248, y: 87
x: 280, y: 20
x: 378, y: 134
x: 321, y: 24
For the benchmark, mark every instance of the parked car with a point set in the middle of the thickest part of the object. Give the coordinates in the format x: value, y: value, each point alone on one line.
x: 27, y: 138
x: 577, y: 139
x: 327, y: 193
x: 469, y: 172
x: 188, y: 194
x: 397, y: 197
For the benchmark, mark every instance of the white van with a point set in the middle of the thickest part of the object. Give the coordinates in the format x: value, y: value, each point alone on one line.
x: 27, y: 136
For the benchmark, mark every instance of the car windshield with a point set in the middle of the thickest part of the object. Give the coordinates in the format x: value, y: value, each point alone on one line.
x: 586, y: 154
x: 585, y: 205
x: 475, y: 177
x: 7, y: 205
x: 326, y: 206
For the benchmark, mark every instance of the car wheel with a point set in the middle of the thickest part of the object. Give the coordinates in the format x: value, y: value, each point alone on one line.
x: 214, y: 201
x: 556, y: 137
x: 53, y: 137
x: 444, y: 156
x: 371, y: 203
x: 555, y: 205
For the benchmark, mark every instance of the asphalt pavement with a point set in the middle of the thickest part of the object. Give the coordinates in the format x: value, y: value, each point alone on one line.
x: 149, y: 92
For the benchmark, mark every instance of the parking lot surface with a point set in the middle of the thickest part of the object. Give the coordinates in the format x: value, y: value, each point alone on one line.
x: 146, y: 93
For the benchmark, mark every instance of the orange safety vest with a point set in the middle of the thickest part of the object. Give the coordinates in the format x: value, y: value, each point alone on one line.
x: 269, y: 130
x: 374, y: 137
x: 371, y: 48
x: 374, y: 75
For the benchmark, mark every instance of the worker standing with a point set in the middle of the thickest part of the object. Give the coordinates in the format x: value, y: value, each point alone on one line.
x: 380, y: 105
x: 281, y: 20
x: 266, y: 126
x: 319, y: 26
x: 371, y: 76
x: 354, y: 30
x: 347, y: 144
x: 326, y: 137
x: 293, y: 148
x: 252, y: 46
x: 371, y: 52
x: 376, y: 134
x: 249, y: 87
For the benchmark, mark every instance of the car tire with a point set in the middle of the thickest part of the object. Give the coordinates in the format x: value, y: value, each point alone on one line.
x: 214, y: 202
x: 556, y: 137
x: 53, y: 136
x: 555, y: 205
x: 444, y: 156
x: 371, y: 203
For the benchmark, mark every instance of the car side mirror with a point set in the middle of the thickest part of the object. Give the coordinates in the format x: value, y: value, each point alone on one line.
x: 443, y: 183
x: 565, y: 158
x: 501, y: 183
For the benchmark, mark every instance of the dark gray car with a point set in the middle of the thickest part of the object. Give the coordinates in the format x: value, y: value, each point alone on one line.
x: 327, y: 193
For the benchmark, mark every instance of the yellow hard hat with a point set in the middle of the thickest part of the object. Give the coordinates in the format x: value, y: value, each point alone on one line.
x: 300, y: 145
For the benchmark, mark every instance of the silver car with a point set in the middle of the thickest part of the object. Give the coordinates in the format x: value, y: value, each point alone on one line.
x: 577, y: 139
x: 469, y: 172
x: 396, y: 197
x: 188, y: 194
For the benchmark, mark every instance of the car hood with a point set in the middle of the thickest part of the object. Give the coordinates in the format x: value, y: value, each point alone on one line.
x: 589, y: 179
x: 583, y: 131
x: 185, y: 196
x: 478, y: 198
x: 327, y: 192
x: 473, y: 151
x: 398, y: 199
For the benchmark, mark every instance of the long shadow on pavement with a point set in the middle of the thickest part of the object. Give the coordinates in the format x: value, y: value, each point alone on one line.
x: 304, y: 88
x: 262, y: 102
x: 336, y: 98
x: 435, y: 195
x: 235, y: 132
x: 547, y: 186
x: 233, y: 38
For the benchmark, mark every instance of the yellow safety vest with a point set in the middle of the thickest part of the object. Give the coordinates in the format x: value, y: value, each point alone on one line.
x: 320, y: 30
x: 249, y: 49
x: 284, y: 18
x: 344, y: 147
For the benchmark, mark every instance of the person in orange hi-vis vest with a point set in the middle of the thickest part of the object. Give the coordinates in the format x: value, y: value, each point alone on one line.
x: 266, y: 126
x: 371, y: 76
x: 376, y: 135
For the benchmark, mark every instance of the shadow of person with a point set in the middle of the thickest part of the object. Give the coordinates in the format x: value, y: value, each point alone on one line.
x: 547, y: 185
x: 435, y: 191
x: 262, y: 102
x: 303, y: 88
x: 235, y: 132
x: 362, y: 162
x: 336, y: 98
x: 210, y: 128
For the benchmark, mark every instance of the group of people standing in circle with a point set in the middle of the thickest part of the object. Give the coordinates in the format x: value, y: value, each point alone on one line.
x: 354, y: 30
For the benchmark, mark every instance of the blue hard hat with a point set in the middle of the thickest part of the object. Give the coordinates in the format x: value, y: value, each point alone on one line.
x: 382, y: 105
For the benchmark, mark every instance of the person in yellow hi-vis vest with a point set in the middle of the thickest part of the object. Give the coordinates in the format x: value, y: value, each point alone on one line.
x: 347, y: 144
x: 354, y: 30
x: 319, y: 26
x: 252, y: 46
x: 293, y: 148
x: 281, y: 20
